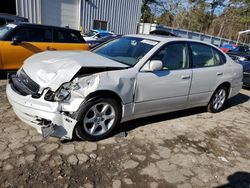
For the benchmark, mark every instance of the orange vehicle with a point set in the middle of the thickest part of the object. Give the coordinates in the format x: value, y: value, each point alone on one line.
x: 18, y: 41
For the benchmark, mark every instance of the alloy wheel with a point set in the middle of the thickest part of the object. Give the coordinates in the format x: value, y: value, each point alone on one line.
x: 99, y: 119
x: 219, y: 99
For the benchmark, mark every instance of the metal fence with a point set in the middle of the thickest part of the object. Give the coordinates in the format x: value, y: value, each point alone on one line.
x: 145, y: 28
x: 121, y: 16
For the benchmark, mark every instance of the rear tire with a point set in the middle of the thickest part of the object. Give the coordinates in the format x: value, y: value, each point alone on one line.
x: 97, y: 118
x: 217, y: 102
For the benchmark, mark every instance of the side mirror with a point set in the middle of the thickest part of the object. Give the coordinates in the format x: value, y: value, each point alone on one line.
x: 151, y: 66
x: 16, y: 41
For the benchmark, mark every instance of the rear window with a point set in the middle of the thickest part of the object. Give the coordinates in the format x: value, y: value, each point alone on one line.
x: 67, y: 36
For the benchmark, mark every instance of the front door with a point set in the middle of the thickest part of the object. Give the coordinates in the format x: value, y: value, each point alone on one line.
x: 33, y: 40
x: 167, y: 89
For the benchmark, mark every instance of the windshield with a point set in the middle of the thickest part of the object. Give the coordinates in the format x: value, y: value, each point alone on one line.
x: 126, y: 50
x: 4, y: 30
x: 90, y: 33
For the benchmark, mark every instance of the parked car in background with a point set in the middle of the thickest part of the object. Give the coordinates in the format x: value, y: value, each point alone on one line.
x: 227, y: 47
x: 96, y: 34
x: 246, y: 72
x: 162, y: 32
x: 241, y: 53
x: 97, y: 42
x: 19, y: 41
x: 91, y: 92
x: 9, y: 18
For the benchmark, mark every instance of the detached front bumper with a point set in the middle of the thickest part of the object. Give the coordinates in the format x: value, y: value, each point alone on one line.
x: 39, y: 113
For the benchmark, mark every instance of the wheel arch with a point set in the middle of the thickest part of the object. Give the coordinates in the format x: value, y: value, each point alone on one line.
x: 94, y: 96
x: 105, y: 93
x: 225, y: 84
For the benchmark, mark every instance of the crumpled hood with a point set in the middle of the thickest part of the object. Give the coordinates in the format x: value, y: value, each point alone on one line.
x: 51, y: 69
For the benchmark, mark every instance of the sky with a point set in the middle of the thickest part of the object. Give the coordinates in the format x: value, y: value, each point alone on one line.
x: 184, y: 3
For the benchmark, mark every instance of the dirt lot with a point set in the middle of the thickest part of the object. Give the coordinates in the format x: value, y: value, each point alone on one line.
x: 191, y: 148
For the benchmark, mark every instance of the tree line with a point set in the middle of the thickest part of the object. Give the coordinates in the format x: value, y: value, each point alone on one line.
x: 223, y: 18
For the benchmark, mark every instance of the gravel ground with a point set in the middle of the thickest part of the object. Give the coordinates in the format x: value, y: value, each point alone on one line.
x: 190, y: 148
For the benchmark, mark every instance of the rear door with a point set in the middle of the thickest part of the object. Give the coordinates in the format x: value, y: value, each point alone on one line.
x: 208, y: 71
x: 67, y: 40
x: 33, y: 40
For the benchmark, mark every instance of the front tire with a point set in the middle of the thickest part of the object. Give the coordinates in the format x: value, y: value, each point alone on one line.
x: 97, y: 118
x: 218, y: 100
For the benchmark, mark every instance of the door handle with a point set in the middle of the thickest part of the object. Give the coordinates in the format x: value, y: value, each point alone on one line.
x: 219, y: 73
x: 185, y: 77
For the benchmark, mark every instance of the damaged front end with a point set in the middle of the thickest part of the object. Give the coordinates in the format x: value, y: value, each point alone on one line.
x: 50, y: 87
x: 50, y: 112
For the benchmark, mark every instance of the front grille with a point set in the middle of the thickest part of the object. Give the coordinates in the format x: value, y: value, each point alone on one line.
x: 28, y: 82
x: 24, y: 84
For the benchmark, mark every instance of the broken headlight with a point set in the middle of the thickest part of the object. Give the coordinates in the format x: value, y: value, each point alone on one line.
x: 86, y: 84
x: 63, y: 93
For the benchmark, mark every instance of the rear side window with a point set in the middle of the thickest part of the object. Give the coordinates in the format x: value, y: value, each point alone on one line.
x: 173, y: 56
x: 202, y: 55
x: 34, y: 34
x: 219, y: 58
x: 67, y: 37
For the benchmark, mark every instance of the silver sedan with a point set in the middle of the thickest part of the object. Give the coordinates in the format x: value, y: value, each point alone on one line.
x: 90, y: 93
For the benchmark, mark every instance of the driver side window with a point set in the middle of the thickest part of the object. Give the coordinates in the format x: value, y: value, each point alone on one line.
x: 173, y: 56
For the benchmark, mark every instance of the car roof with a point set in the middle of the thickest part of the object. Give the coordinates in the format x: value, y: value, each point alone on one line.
x: 162, y: 38
x: 40, y: 25
x: 5, y: 15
